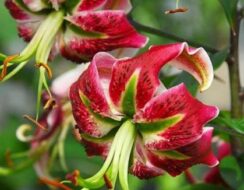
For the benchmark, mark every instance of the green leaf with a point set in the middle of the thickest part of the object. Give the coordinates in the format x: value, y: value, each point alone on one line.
x: 204, y: 187
x: 188, y: 80
x: 241, y: 187
x: 230, y: 7
x: 231, y: 172
x: 224, y: 119
x: 219, y: 58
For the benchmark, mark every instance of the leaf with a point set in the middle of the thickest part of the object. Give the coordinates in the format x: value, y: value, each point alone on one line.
x: 2, y: 57
x: 230, y: 7
x: 224, y: 119
x: 219, y: 58
x: 188, y: 80
x: 239, y: 125
x: 241, y: 187
x: 204, y: 187
x: 230, y: 171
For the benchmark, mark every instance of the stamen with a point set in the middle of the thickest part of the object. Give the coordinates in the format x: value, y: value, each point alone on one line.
x: 47, y: 68
x: 5, y: 65
x: 50, y: 104
x: 9, y: 161
x: 35, y: 122
x: 73, y: 177
x: 108, y: 182
x: 54, y: 183
x: 178, y: 10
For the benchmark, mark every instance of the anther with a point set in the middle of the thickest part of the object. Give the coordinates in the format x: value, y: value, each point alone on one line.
x: 73, y: 177
x: 47, y: 68
x: 50, y: 104
x: 178, y: 10
x: 54, y: 183
x: 35, y: 122
x: 107, y: 182
x: 5, y: 65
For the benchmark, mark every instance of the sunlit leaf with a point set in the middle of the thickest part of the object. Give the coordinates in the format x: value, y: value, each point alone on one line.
x: 188, y: 80
x: 230, y: 10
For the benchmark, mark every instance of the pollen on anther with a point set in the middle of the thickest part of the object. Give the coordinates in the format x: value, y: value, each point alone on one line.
x: 47, y: 68
x: 5, y: 65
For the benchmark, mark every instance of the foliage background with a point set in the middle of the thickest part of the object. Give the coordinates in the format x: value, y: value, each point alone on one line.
x: 204, y: 23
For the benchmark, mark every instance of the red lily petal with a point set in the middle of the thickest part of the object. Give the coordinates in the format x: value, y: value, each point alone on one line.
x: 188, y: 114
x: 16, y: 11
x: 195, y: 61
x: 118, y: 5
x: 61, y: 85
x: 27, y: 22
x: 141, y: 167
x: 86, y: 5
x: 90, y: 105
x: 91, y: 32
x: 96, y: 147
x: 145, y: 171
x: 198, y: 152
x: 28, y: 29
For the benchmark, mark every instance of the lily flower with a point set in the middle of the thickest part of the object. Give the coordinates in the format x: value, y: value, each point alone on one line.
x: 126, y: 115
x: 76, y: 29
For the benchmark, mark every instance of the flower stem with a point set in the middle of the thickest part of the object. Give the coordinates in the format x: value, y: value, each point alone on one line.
x: 235, y: 86
x: 173, y: 37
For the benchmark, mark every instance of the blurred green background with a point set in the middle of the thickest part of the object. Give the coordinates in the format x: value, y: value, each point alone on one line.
x: 204, y: 23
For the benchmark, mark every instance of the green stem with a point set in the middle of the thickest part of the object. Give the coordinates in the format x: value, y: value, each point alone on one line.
x: 39, y: 91
x: 235, y: 86
x: 60, y: 144
x: 173, y: 37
